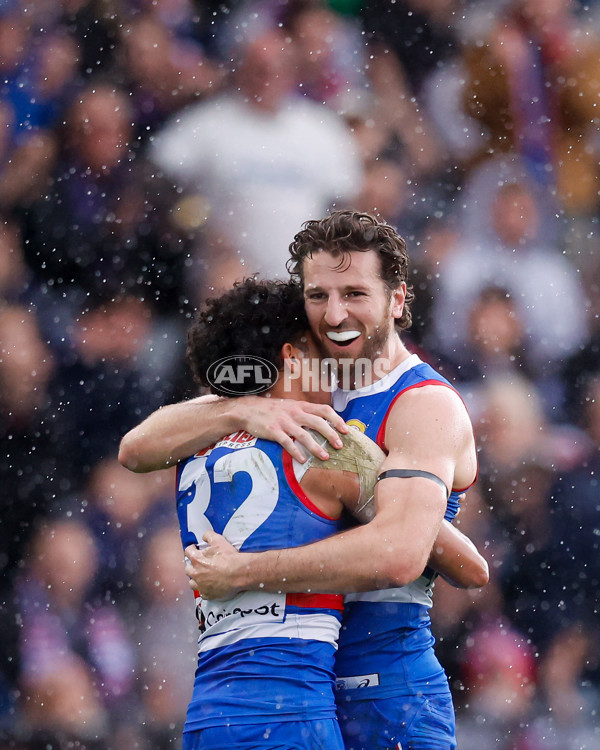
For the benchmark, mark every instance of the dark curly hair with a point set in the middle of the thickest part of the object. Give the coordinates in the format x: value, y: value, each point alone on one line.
x: 255, y: 318
x: 348, y: 231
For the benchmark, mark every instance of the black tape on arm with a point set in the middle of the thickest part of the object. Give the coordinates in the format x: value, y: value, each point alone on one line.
x: 407, y: 473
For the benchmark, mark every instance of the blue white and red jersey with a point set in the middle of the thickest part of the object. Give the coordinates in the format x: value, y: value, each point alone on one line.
x: 261, y: 655
x: 386, y: 644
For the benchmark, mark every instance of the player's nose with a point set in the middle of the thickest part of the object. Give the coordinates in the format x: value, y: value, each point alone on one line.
x: 336, y: 312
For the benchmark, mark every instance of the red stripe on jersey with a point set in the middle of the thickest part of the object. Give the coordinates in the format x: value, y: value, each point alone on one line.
x: 464, y: 489
x: 380, y: 440
x: 295, y: 487
x: 317, y: 601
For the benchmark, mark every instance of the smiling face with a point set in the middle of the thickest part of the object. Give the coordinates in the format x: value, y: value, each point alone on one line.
x: 350, y: 309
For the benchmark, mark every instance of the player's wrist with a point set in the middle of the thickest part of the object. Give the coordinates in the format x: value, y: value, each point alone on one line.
x: 234, y: 415
x: 240, y: 413
x: 247, y: 574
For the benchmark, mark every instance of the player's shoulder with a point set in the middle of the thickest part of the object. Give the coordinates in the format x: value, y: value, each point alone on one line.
x: 435, y: 391
x: 435, y: 400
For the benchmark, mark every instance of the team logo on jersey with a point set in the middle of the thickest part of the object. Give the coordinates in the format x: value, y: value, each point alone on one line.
x: 357, y: 681
x: 357, y: 424
x: 242, y: 375
x: 239, y: 439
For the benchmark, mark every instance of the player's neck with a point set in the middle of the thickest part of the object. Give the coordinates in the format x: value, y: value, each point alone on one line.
x: 391, y: 355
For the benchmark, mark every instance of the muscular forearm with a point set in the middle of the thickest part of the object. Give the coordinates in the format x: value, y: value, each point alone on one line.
x: 390, y: 551
x: 456, y: 558
x: 178, y: 431
x: 348, y: 562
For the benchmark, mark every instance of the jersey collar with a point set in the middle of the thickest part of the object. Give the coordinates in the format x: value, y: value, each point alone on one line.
x: 340, y: 398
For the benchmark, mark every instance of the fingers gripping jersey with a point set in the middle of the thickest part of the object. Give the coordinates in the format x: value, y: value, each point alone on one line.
x: 386, y: 645
x: 261, y: 655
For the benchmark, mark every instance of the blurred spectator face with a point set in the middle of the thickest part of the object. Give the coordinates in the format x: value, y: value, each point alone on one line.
x: 513, y: 423
x: 520, y: 500
x: 163, y: 570
x: 122, y: 495
x: 440, y: 242
x: 14, y: 37
x: 314, y: 31
x: 65, y: 700
x: 100, y: 128
x: 115, y: 332
x: 147, y: 45
x: 495, y: 327
x: 266, y: 73
x: 515, y: 215
x: 58, y: 64
x: 12, y: 263
x: 384, y: 189
x: 500, y: 672
x: 369, y: 137
x: 544, y: 12
x: 165, y: 69
x: 65, y: 557
x: 26, y: 363
x: 169, y: 9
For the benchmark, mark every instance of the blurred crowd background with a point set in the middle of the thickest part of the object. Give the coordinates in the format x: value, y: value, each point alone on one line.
x: 153, y: 151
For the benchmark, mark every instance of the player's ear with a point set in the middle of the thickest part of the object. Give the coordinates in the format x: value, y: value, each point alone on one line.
x: 289, y: 354
x: 398, y: 297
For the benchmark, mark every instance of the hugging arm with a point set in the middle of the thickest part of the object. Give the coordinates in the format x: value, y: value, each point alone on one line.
x: 393, y: 549
x: 215, y: 572
x: 177, y: 431
x: 376, y: 555
x: 457, y: 560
